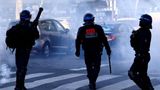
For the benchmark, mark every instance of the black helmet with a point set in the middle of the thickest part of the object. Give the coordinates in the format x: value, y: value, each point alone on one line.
x: 146, y: 18
x: 88, y: 17
x: 146, y: 21
x: 25, y: 15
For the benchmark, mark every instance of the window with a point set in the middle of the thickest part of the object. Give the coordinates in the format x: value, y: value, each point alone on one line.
x: 47, y: 26
x: 59, y: 26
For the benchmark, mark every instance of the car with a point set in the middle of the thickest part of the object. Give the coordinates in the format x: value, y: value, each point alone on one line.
x: 117, y: 30
x: 110, y: 31
x: 54, y: 38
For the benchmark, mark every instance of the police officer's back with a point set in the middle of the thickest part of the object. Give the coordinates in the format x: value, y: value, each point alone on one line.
x: 92, y: 38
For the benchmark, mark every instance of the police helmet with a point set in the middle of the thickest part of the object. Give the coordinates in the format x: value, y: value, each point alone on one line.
x: 88, y: 17
x: 146, y: 18
x: 25, y: 15
x: 146, y: 21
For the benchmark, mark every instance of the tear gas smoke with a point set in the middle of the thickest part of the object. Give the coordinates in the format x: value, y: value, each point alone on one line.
x: 4, y: 73
x: 130, y: 8
x: 6, y: 60
x: 73, y: 11
x: 41, y: 3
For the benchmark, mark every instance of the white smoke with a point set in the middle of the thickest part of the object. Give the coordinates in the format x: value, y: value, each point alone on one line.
x: 67, y: 9
x: 6, y: 60
x: 131, y: 8
x: 4, y: 73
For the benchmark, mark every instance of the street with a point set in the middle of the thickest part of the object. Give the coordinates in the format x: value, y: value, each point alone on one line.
x: 66, y: 72
x: 58, y: 27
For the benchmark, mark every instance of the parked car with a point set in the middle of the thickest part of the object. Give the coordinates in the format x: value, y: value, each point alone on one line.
x: 108, y: 30
x: 111, y: 31
x: 117, y: 30
x: 54, y: 38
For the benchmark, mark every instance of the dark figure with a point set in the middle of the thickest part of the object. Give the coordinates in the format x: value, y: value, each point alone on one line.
x: 92, y: 38
x: 26, y: 33
x: 140, y: 41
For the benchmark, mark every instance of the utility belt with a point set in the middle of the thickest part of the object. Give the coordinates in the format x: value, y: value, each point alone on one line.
x: 93, y: 52
x: 142, y: 54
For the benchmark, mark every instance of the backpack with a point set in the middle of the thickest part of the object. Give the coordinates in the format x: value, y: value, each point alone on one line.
x: 11, y: 38
x: 133, y: 39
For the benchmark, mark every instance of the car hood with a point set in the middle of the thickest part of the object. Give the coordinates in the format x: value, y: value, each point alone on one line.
x: 107, y: 30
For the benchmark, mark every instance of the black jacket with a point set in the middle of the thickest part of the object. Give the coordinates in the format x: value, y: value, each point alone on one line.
x: 143, y: 40
x: 92, y: 38
x: 25, y: 34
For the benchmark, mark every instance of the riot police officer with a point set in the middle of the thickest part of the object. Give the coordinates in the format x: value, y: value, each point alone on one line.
x: 140, y: 41
x: 26, y: 34
x: 92, y: 38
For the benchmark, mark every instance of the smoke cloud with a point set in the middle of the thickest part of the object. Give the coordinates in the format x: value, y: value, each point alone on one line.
x: 73, y: 11
x: 6, y: 59
x: 134, y: 9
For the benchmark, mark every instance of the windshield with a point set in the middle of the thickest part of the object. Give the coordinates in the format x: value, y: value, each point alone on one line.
x: 45, y: 25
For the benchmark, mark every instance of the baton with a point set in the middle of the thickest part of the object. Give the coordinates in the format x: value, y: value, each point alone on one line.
x: 109, y: 60
x: 40, y: 11
x: 39, y: 14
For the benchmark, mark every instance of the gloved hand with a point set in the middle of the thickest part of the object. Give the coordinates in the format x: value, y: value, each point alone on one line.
x: 77, y: 53
x: 40, y: 9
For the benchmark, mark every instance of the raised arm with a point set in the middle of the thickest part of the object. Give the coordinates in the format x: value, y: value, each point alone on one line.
x: 38, y: 16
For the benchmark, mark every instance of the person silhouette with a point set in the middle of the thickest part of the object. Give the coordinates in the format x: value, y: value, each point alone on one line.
x: 92, y: 38
x: 140, y: 41
x: 25, y: 33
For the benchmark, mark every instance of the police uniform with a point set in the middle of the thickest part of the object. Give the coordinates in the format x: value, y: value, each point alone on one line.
x: 92, y: 38
x: 26, y: 34
x: 26, y: 37
x: 138, y: 70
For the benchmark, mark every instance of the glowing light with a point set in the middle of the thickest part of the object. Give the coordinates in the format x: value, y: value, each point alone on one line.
x: 18, y: 8
x: 65, y: 23
x: 155, y: 16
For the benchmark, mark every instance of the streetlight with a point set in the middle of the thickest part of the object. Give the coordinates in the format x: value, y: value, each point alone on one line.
x: 19, y: 5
